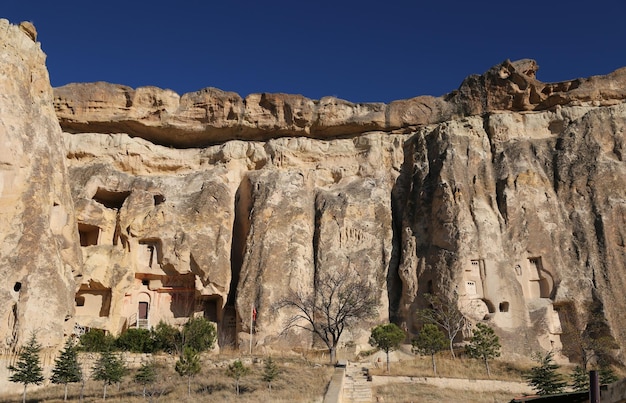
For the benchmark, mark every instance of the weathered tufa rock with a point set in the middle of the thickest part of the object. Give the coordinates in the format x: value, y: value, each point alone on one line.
x: 211, y: 116
x: 507, y: 194
x: 39, y: 252
x: 29, y: 29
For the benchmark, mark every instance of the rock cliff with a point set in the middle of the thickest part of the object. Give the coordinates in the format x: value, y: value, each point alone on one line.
x: 507, y: 193
x: 39, y: 253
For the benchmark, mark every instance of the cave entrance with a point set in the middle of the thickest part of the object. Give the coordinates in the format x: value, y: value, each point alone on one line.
x: 89, y: 234
x: 111, y: 199
x: 210, y: 310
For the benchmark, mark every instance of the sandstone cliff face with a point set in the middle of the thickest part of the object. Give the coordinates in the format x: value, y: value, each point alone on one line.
x: 520, y: 214
x: 39, y: 253
x: 230, y: 226
x: 508, y: 193
x: 516, y: 211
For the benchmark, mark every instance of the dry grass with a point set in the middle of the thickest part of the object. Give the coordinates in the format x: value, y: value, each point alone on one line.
x: 405, y: 393
x: 304, y: 378
x: 300, y: 381
x: 457, y: 368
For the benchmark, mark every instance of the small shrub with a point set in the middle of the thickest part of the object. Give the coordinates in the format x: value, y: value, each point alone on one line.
x: 166, y: 338
x: 199, y: 334
x: 95, y: 340
x: 136, y: 341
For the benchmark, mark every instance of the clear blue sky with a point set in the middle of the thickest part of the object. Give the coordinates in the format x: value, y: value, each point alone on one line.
x: 359, y: 50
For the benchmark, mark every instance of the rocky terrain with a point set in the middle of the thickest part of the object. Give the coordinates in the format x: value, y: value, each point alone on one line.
x: 122, y: 207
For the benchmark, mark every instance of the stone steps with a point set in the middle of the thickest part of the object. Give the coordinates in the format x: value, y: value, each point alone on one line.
x: 356, y: 386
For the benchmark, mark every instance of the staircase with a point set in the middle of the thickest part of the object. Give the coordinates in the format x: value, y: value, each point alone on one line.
x: 356, y: 387
x: 134, y: 321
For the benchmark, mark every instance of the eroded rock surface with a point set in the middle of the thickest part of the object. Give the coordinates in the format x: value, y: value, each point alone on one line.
x: 39, y: 249
x: 212, y: 116
x: 507, y: 193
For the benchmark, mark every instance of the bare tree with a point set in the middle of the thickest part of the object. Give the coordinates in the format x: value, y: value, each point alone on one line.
x: 445, y: 313
x: 338, y: 301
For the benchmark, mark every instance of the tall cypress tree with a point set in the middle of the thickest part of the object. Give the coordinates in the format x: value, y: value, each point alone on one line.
x: 66, y: 367
x: 28, y: 367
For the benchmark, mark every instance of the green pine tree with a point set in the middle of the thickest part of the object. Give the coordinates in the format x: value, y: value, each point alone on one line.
x: 28, y: 367
x: 430, y: 340
x: 544, y: 378
x: 146, y: 375
x: 109, y: 368
x: 237, y: 370
x: 484, y: 345
x: 387, y: 338
x: 606, y: 375
x: 580, y: 379
x: 199, y: 333
x: 66, y: 367
x: 188, y: 365
x: 270, y: 372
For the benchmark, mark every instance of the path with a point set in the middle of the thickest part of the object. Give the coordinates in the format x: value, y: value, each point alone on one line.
x: 479, y: 385
x: 356, y: 387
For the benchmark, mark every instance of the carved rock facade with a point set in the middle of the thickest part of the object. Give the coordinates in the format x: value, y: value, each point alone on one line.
x: 509, y: 193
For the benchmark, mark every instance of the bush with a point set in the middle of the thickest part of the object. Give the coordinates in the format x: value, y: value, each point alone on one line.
x: 166, y: 338
x: 137, y: 341
x: 96, y: 341
x: 199, y: 334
